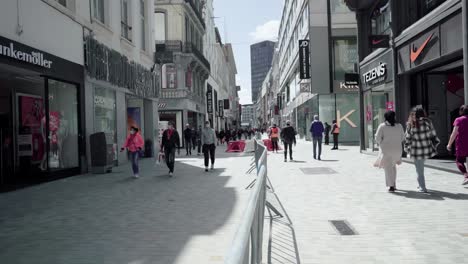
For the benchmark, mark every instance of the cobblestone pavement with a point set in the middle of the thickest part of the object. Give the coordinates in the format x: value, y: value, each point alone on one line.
x: 112, y: 218
x: 404, y: 227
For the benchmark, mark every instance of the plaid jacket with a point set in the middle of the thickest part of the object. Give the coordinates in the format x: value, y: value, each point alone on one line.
x: 421, y: 142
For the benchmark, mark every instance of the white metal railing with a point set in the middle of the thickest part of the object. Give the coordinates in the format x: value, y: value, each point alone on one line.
x: 250, y: 231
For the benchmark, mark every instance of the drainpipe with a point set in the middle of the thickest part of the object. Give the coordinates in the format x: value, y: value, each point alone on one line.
x: 465, y: 46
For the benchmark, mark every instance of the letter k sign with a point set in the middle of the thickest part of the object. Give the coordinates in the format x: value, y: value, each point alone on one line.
x: 345, y: 118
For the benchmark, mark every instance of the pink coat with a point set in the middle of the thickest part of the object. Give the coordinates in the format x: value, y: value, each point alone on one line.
x: 134, y: 142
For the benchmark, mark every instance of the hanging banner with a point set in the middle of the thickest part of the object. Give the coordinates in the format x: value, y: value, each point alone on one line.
x: 209, y: 100
x: 221, y: 108
x: 304, y: 59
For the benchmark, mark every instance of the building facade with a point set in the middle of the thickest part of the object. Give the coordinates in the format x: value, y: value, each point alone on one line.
x: 179, y: 37
x: 421, y: 65
x: 59, y: 90
x: 330, y: 28
x: 261, y: 55
x: 248, y: 117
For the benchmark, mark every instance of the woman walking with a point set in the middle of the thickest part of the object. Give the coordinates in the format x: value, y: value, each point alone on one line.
x: 420, y: 142
x: 390, y: 136
x: 134, y: 144
x: 336, y: 132
x: 170, y: 142
x: 460, y: 136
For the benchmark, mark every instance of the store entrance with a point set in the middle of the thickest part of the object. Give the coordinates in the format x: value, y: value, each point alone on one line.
x: 31, y: 151
x: 441, y: 93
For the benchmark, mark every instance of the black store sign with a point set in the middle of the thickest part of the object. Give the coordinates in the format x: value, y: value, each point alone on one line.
x: 304, y: 59
x: 209, y: 100
x: 378, y: 71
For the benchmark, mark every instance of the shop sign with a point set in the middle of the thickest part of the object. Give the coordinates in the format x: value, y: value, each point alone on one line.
x: 103, y: 63
x: 162, y: 105
x: 351, y: 79
x: 305, y: 87
x: 221, y: 108
x: 226, y: 103
x: 379, y: 41
x: 104, y: 102
x: 209, y: 100
x: 304, y: 59
x: 31, y: 56
x: 390, y: 106
x: 376, y: 75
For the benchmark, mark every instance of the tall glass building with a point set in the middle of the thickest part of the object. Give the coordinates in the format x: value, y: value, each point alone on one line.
x: 261, y: 55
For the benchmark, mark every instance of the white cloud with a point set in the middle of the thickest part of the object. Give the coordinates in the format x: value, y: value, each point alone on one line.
x: 267, y: 31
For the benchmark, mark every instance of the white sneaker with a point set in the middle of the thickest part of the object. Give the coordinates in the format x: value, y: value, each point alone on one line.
x: 171, y: 174
x: 465, y: 181
x: 212, y: 166
x: 136, y: 176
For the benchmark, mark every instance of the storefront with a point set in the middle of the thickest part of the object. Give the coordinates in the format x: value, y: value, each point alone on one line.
x: 119, y: 94
x: 40, y: 115
x: 378, y: 92
x: 430, y: 69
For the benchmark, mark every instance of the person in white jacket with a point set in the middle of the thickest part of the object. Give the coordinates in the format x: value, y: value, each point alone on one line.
x: 390, y: 137
x: 208, y: 140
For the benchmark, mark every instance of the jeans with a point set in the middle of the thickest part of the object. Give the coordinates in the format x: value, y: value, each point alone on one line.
x: 317, y: 141
x: 274, y: 144
x: 286, y: 145
x: 335, y: 141
x: 170, y: 158
x: 134, y: 159
x: 461, y: 164
x: 419, y: 163
x: 188, y: 146
x: 209, y: 152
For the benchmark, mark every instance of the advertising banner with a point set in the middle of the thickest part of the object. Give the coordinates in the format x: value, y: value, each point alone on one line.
x: 133, y: 117
x: 304, y: 59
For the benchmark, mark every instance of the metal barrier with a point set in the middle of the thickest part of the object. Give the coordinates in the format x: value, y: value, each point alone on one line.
x: 250, y: 231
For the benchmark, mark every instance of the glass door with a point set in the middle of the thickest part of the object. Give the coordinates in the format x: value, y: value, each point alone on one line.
x: 63, y: 134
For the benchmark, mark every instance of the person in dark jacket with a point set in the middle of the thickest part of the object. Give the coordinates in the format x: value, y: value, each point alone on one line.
x: 188, y: 139
x: 288, y: 136
x: 327, y: 133
x: 227, y: 136
x: 317, y: 129
x: 336, y: 132
x: 221, y: 136
x: 169, y: 143
x: 194, y: 138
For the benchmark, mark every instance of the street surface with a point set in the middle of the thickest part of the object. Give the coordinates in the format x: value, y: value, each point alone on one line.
x: 193, y: 217
x: 404, y: 227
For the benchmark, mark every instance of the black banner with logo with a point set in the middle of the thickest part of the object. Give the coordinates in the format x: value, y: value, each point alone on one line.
x: 379, y: 41
x: 209, y: 100
x: 304, y: 59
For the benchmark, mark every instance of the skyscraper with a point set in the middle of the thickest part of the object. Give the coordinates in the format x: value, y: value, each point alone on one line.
x: 261, y: 55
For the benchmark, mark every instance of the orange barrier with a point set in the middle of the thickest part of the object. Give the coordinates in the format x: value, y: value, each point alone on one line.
x: 236, y: 146
x: 269, y: 145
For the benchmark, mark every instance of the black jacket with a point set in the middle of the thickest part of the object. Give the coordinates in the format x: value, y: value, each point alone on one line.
x: 188, y: 133
x: 288, y: 135
x: 170, y: 142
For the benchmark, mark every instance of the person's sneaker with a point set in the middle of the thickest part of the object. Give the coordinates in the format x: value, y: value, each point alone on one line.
x: 171, y: 174
x: 465, y: 181
x: 206, y: 168
x: 136, y: 176
x: 421, y: 190
x: 212, y: 166
x: 319, y: 158
x: 285, y: 160
x: 391, y: 189
x: 315, y: 157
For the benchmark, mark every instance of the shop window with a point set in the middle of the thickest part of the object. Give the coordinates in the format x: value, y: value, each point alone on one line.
x: 339, y: 6
x: 63, y: 125
x: 344, y: 57
x: 105, y: 116
x: 160, y: 26
x: 381, y: 18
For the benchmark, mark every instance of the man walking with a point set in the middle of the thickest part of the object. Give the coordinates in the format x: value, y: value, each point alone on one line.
x: 188, y: 139
x: 316, y: 129
x: 208, y: 141
x: 274, y: 137
x: 288, y: 135
x: 327, y: 133
x: 170, y: 141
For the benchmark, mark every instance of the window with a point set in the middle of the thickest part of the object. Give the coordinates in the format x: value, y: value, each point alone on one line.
x: 344, y: 57
x: 98, y: 10
x: 380, y: 20
x: 126, y: 27
x: 339, y: 6
x: 62, y: 2
x: 143, y: 25
x: 70, y: 4
x: 160, y: 27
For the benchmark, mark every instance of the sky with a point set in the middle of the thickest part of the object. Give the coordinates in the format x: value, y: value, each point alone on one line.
x: 245, y: 22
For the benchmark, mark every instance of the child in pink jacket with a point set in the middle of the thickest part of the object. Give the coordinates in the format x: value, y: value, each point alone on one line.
x: 134, y: 144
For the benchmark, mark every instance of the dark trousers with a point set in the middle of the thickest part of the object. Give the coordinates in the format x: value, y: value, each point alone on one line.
x: 170, y: 158
x: 327, y: 139
x: 286, y: 146
x: 194, y: 143
x: 199, y: 146
x: 134, y: 159
x: 188, y: 146
x: 209, y: 153
x: 335, y: 141
x: 461, y: 164
x: 274, y: 144
x: 317, y: 143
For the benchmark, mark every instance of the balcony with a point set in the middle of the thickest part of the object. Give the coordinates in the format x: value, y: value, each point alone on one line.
x: 196, y: 11
x: 165, y: 50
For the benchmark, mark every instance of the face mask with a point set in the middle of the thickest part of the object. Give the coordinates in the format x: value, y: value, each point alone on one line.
x: 132, y: 132
x: 207, y: 126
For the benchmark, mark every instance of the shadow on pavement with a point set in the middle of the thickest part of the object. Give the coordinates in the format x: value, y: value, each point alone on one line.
x: 431, y: 195
x: 113, y: 218
x: 325, y: 160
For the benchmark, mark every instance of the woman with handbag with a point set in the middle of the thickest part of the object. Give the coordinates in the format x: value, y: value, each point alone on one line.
x: 134, y: 144
x: 390, y: 136
x: 336, y: 132
x: 420, y: 142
